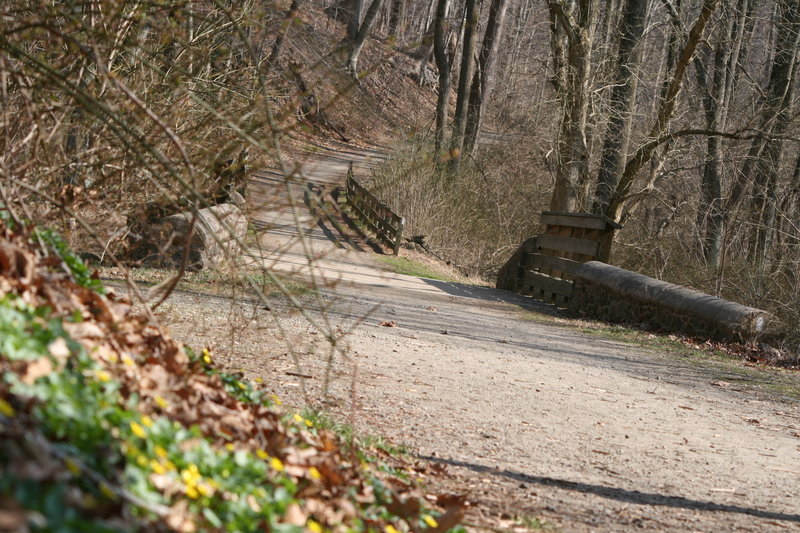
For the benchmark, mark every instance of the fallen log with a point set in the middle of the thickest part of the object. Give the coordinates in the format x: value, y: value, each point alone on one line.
x: 619, y: 295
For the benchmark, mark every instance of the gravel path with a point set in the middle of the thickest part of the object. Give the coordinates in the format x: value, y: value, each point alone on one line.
x: 542, y: 425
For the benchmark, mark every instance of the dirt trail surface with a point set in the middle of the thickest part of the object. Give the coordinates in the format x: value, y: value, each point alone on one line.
x: 531, y: 419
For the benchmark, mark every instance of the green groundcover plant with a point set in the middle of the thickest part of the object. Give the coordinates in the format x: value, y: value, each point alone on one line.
x: 107, y: 424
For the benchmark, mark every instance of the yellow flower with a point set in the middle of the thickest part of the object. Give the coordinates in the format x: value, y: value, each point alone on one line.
x: 6, y: 409
x: 141, y: 461
x: 297, y: 418
x: 107, y: 491
x: 230, y: 447
x: 259, y: 380
x: 276, y: 400
x: 103, y: 376
x: 314, y: 473
x: 206, y: 356
x: 241, y: 385
x: 157, y: 467
x: 169, y: 465
x: 160, y: 451
x: 308, y: 423
x: 276, y: 464
x: 431, y: 521
x: 127, y: 361
x: 314, y: 527
x: 72, y: 466
x: 191, y: 492
x: 262, y: 455
x: 390, y: 529
x: 205, y: 489
x: 161, y: 402
x: 138, y: 430
x: 147, y: 421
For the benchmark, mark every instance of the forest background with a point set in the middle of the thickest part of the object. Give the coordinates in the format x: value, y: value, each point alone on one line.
x: 676, y: 118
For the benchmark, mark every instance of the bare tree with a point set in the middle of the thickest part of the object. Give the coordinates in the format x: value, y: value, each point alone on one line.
x: 777, y: 115
x: 357, y: 43
x: 443, y: 65
x: 481, y: 81
x: 631, y: 27
x: 464, y: 78
x: 572, y: 34
x: 643, y: 154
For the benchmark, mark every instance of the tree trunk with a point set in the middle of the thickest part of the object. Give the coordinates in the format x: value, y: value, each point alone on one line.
x: 572, y: 80
x: 394, y: 18
x: 361, y: 37
x: 481, y: 81
x: 780, y: 92
x: 443, y: 65
x: 716, y: 100
x: 354, y: 23
x: 464, y: 79
x: 281, y: 38
x: 631, y: 28
x: 646, y: 150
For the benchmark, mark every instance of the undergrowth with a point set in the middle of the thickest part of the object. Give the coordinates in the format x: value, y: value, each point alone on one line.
x: 475, y: 218
x: 107, y: 424
x: 409, y: 267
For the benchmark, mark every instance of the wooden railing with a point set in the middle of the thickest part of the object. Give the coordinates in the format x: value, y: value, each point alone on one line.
x: 373, y: 214
x: 544, y: 265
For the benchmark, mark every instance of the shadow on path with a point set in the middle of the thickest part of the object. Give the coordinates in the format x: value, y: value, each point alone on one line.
x: 618, y: 494
x: 489, y: 294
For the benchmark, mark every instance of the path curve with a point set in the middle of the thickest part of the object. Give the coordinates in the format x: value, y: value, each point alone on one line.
x: 533, y: 418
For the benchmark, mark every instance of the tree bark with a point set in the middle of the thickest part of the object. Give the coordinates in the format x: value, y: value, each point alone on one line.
x: 572, y: 80
x: 631, y: 28
x: 777, y: 116
x: 395, y: 13
x: 443, y: 65
x: 482, y: 80
x: 464, y: 79
x: 646, y: 150
x: 361, y: 37
x: 281, y: 38
x: 354, y: 23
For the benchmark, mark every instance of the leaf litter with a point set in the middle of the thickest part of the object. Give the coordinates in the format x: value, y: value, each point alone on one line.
x: 335, y: 486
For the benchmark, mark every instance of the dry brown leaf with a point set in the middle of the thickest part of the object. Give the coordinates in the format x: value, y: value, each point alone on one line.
x: 36, y: 369
x: 295, y: 516
x: 405, y: 507
x: 12, y: 515
x: 59, y: 349
x: 83, y: 330
x: 180, y: 519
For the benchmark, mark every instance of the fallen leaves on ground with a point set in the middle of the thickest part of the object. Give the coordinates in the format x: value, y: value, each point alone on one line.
x: 183, y: 432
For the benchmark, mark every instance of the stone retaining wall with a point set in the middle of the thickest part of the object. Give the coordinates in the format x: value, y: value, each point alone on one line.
x: 610, y: 293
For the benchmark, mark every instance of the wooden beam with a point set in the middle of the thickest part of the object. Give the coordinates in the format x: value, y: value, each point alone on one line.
x: 579, y: 220
x: 569, y: 244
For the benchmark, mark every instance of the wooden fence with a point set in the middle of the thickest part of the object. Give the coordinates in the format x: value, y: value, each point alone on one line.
x: 375, y: 215
x: 544, y: 265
